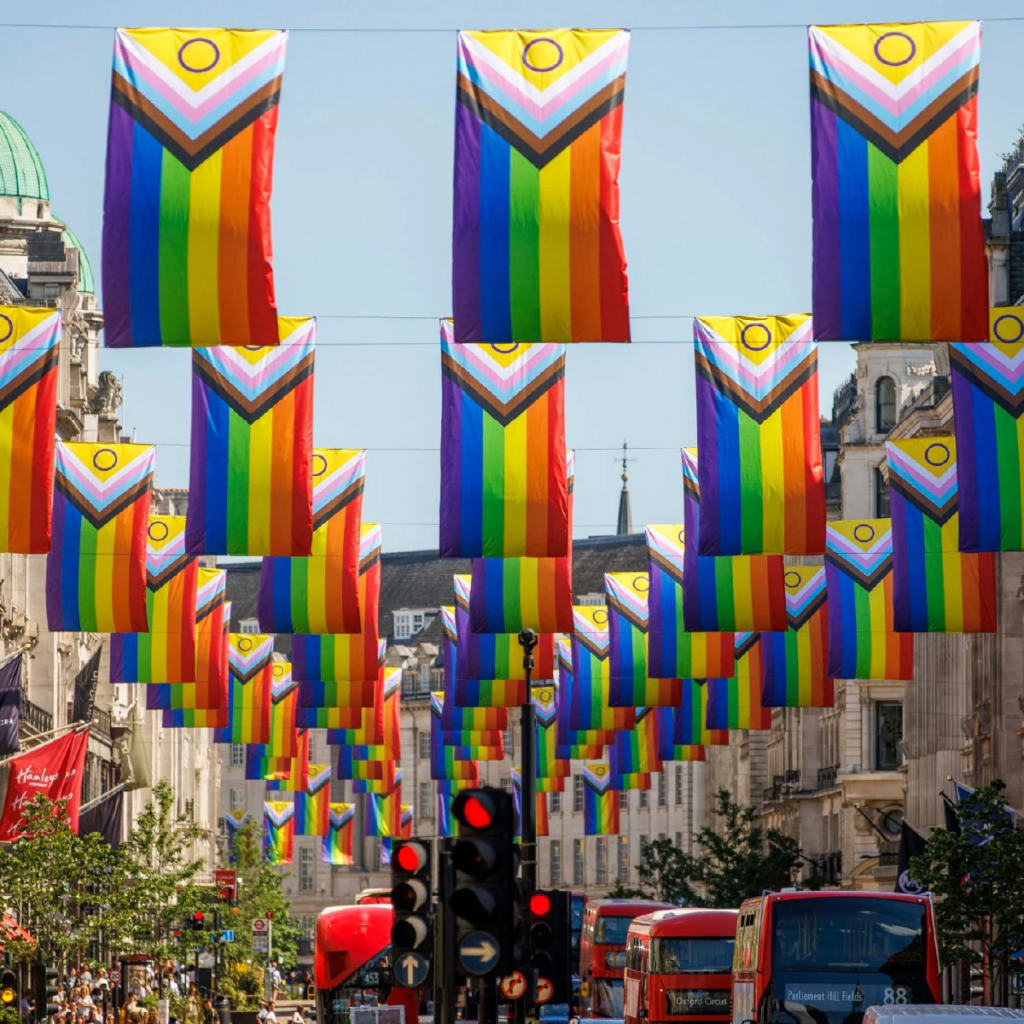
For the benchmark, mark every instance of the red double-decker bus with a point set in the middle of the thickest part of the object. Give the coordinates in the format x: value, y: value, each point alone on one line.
x: 679, y: 966
x: 603, y: 953
x: 825, y: 957
x: 351, y: 963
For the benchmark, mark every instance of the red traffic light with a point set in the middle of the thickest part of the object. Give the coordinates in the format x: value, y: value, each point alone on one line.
x: 540, y: 905
x: 198, y: 916
x: 477, y: 813
x: 411, y: 857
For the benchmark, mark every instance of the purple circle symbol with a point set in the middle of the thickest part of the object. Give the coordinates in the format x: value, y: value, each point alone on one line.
x: 113, y: 460
x: 755, y: 348
x: 10, y: 326
x: 792, y: 579
x: 641, y: 584
x: 1013, y: 318
x: 895, y: 63
x: 253, y: 348
x: 863, y: 532
x: 550, y: 67
x: 943, y: 456
x: 192, y: 42
x: 319, y: 465
x: 244, y: 645
x: 505, y: 347
x: 545, y: 695
x: 601, y: 618
x: 681, y: 536
x: 155, y: 534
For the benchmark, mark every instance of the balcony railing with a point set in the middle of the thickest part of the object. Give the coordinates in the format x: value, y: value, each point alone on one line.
x: 829, y: 868
x: 888, y: 854
x: 101, y: 724
x: 827, y: 776
x: 33, y: 716
x: 415, y: 689
x: 772, y: 794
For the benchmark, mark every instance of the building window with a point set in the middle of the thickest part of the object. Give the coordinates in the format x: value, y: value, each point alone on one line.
x: 623, y: 799
x: 579, y: 863
x: 679, y: 784
x: 663, y: 789
x: 248, y: 626
x: 577, y: 793
x: 556, y: 862
x: 305, y: 869
x: 408, y: 623
x: 885, y: 404
x: 237, y: 754
x: 881, y: 496
x: 426, y: 801
x: 555, y: 805
x: 645, y: 798
x: 602, y: 860
x: 506, y: 784
x: 644, y: 840
x: 623, y: 860
x: 236, y: 799
x: 424, y: 744
x: 506, y: 739
x: 888, y: 734
x: 679, y: 840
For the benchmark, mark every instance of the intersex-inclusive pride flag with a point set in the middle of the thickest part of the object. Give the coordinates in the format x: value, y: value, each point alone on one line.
x: 899, y: 247
x: 726, y: 593
x: 337, y: 846
x: 462, y: 745
x: 284, y: 692
x: 536, y: 253
x: 988, y: 421
x: 590, y: 699
x: 29, y: 352
x: 671, y: 651
x: 629, y: 685
x: 504, y: 483
x: 545, y: 709
x: 795, y: 663
x: 320, y: 594
x: 936, y: 587
x: 474, y: 693
x: 392, y: 778
x: 250, y: 660
x: 382, y: 814
x: 762, y: 488
x: 858, y: 569
x: 600, y: 801
x: 574, y: 744
x: 736, y: 703
x: 186, y: 212
x: 635, y: 751
x: 480, y: 719
x: 369, y: 726
x: 278, y: 831
x: 96, y: 568
x: 251, y: 475
x: 261, y: 766
x: 487, y: 656
x: 312, y: 803
x: 167, y: 653
x: 351, y: 658
x: 317, y: 709
x: 687, y: 726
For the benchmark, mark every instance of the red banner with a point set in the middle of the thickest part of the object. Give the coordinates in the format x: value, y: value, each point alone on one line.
x: 55, y: 770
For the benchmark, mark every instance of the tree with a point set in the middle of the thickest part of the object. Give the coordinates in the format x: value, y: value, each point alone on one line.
x: 743, y: 862
x: 977, y: 877
x: 666, y: 872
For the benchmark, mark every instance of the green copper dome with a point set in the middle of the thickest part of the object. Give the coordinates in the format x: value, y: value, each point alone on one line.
x: 85, y: 281
x: 21, y: 170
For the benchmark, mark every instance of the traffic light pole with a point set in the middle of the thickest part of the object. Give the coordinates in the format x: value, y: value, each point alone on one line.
x: 528, y: 798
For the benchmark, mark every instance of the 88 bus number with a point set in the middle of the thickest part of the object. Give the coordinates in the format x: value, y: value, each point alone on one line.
x: 895, y: 997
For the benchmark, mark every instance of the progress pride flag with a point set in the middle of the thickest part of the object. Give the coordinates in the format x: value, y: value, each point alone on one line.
x: 55, y: 770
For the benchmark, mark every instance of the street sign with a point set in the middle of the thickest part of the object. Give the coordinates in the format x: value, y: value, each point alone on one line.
x: 261, y: 943
x: 260, y: 926
x: 545, y: 990
x: 411, y: 970
x: 115, y: 977
x: 227, y: 936
x: 513, y: 986
x: 478, y: 953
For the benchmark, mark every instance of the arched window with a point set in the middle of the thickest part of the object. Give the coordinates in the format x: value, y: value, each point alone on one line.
x: 885, y: 404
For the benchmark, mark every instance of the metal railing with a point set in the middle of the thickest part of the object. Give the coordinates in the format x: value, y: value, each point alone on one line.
x: 888, y: 854
x: 827, y: 776
x: 101, y: 724
x: 829, y: 867
x: 33, y: 716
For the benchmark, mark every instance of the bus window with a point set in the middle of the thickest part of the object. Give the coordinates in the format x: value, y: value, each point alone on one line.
x: 691, y: 956
x: 611, y: 931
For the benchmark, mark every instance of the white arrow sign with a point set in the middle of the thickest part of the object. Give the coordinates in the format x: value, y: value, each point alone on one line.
x: 485, y: 951
x: 412, y: 970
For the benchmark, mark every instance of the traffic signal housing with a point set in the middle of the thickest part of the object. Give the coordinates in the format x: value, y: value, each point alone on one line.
x: 195, y: 922
x: 44, y: 990
x: 550, y: 913
x: 411, y: 931
x: 9, y: 989
x: 486, y: 893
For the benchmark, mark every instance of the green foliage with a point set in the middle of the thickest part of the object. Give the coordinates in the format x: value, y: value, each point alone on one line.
x: 977, y: 878
x: 10, y: 1015
x: 627, y: 892
x: 242, y: 983
x: 667, y: 871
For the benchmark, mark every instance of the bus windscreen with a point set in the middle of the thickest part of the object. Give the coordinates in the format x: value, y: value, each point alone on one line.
x: 691, y: 956
x: 611, y: 931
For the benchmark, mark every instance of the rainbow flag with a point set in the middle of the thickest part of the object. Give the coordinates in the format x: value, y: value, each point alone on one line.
x: 382, y: 814
x: 347, y: 657
x: 578, y: 744
x: 461, y: 735
x: 988, y: 421
x: 445, y: 766
x: 936, y: 587
x: 167, y: 653
x: 341, y: 721
x: 762, y: 488
x: 858, y: 570
x: 796, y: 662
x: 260, y: 766
x: 278, y: 831
x: 251, y: 483
x: 488, y: 656
x: 740, y: 593
x: 186, y: 211
x: 473, y: 693
x: 353, y: 765
x: 600, y: 801
x: 635, y: 751
x: 540, y: 817
x: 312, y: 804
x: 336, y: 696
x: 464, y: 745
x: 480, y: 719
x: 204, y: 704
x: 545, y: 713
x: 671, y: 651
x: 687, y: 725
x: 899, y: 247
x: 504, y: 487
x: 391, y: 780
x: 337, y: 847
x: 736, y: 703
x: 96, y: 568
x: 250, y: 657
x: 284, y: 692
x: 320, y: 594
x: 590, y: 706
x: 29, y: 353
x: 536, y: 251
x: 370, y: 726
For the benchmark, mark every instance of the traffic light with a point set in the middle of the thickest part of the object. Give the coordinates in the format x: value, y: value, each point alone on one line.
x: 9, y: 989
x: 411, y: 932
x: 195, y: 922
x: 486, y: 893
x: 551, y: 942
x: 44, y: 990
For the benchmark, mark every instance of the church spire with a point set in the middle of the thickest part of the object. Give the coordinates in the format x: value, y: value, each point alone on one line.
x: 624, y: 527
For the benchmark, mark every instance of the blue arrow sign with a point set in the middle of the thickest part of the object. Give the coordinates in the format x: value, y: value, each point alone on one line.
x: 478, y: 953
x: 411, y: 970
x: 228, y: 936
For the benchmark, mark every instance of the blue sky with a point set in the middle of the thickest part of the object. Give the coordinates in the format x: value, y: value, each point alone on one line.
x: 715, y: 211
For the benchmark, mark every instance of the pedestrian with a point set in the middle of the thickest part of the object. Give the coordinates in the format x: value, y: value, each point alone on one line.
x: 271, y: 1016
x: 261, y: 1016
